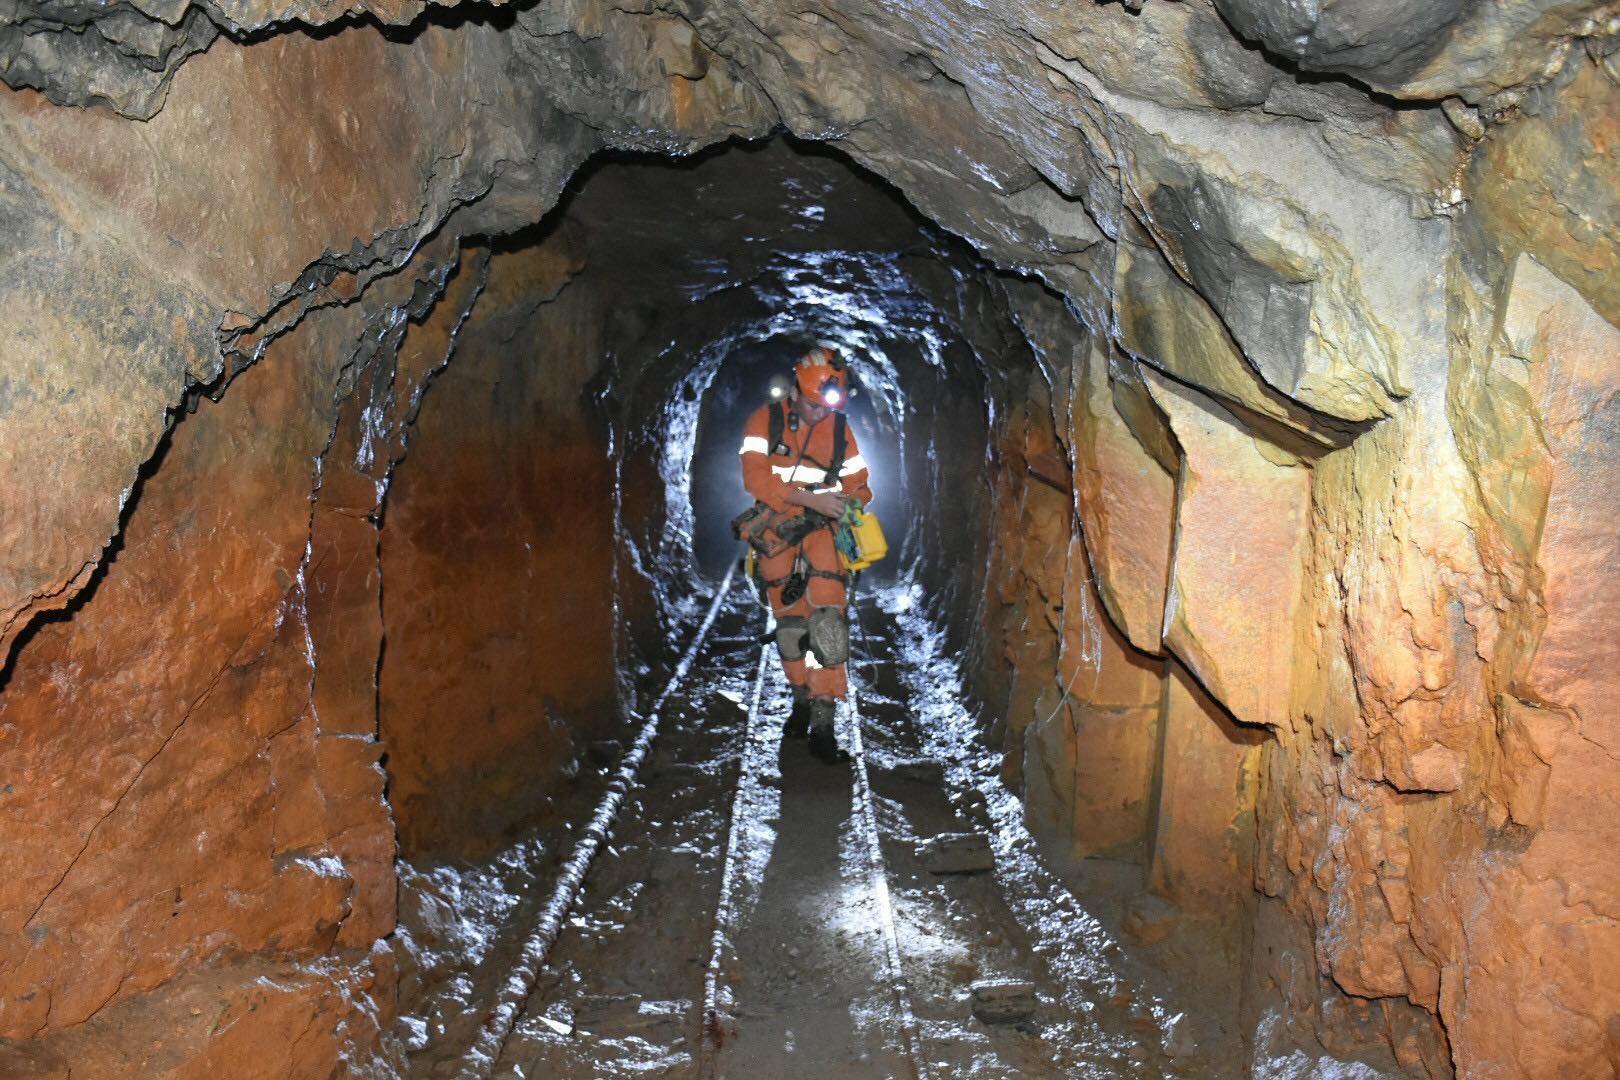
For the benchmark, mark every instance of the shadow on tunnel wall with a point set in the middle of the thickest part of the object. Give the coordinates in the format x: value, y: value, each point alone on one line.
x: 497, y: 557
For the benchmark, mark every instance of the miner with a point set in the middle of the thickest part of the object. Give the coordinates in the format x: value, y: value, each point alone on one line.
x: 801, y: 463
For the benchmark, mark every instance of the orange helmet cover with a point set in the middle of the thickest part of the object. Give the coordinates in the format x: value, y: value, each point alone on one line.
x: 822, y: 378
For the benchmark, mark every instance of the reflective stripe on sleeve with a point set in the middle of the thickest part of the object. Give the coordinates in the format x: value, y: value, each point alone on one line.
x: 754, y: 444
x: 801, y: 474
x: 853, y: 465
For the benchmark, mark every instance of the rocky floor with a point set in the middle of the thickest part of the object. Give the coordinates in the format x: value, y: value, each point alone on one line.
x: 759, y: 914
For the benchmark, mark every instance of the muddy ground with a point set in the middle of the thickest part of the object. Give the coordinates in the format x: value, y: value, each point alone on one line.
x: 757, y: 913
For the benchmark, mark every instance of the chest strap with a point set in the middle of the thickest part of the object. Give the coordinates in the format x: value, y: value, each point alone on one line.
x: 776, y: 427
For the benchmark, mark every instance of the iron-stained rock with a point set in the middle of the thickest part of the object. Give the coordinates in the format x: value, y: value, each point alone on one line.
x: 1150, y: 918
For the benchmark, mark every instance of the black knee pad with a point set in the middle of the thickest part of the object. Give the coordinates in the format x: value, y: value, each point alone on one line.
x: 790, y: 635
x: 829, y: 635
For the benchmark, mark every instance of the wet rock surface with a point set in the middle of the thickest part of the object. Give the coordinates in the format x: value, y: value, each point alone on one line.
x: 957, y: 853
x: 1003, y: 1001
x: 1255, y: 440
x: 742, y: 879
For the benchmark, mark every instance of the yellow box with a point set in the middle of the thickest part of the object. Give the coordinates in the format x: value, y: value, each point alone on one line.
x: 869, y: 539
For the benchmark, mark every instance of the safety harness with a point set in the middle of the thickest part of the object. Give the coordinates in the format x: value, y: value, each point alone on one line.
x: 776, y: 425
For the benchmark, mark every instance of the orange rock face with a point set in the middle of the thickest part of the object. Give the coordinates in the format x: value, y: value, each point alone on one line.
x: 1203, y: 838
x: 1241, y: 517
x: 1034, y: 521
x: 1116, y: 698
x: 1556, y: 951
x: 498, y: 563
x: 221, y: 793
x: 1090, y: 754
x: 155, y: 244
x: 195, y: 810
x: 1127, y: 502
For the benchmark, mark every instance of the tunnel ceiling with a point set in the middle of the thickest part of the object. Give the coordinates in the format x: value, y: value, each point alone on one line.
x: 721, y: 216
x: 746, y: 243
x: 1246, y: 221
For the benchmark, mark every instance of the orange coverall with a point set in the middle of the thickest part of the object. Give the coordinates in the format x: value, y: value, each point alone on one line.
x: 768, y: 477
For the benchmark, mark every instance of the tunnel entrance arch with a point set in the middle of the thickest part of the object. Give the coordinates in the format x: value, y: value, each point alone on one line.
x: 818, y: 250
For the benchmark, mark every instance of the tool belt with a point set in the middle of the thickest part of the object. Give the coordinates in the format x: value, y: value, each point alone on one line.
x: 798, y: 580
x: 771, y: 533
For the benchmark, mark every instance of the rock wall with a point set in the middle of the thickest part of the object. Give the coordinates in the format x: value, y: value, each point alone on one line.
x: 1386, y: 604
x: 241, y: 302
x: 1317, y: 440
x: 206, y: 836
x: 189, y: 825
x: 497, y: 558
x: 177, y: 248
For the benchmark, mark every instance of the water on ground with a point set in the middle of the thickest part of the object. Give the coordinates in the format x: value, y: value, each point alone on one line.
x: 756, y: 913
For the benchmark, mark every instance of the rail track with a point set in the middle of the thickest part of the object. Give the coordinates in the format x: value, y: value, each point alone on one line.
x: 763, y: 915
x: 866, y: 815
x: 749, y: 803
x: 515, y: 991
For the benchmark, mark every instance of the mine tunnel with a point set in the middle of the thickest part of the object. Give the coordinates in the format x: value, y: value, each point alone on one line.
x: 386, y: 692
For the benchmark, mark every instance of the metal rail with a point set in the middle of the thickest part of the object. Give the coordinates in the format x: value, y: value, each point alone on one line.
x: 485, y: 1052
x: 748, y: 768
x: 910, y: 1032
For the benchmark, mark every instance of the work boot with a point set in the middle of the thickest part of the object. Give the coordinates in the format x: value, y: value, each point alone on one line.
x: 798, y: 721
x: 823, y: 743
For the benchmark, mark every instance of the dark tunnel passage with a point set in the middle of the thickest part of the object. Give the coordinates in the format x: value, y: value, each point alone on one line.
x: 810, y: 249
x: 626, y: 418
x: 383, y: 690
x: 746, y: 257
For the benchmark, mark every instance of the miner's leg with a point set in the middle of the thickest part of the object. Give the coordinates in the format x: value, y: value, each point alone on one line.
x: 791, y: 632
x: 791, y: 628
x: 826, y: 646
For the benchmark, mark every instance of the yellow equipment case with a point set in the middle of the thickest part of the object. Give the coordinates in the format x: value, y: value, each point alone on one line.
x: 865, y: 535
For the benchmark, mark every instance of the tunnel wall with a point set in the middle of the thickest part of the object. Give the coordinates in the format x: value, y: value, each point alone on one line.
x: 497, y: 559
x: 299, y: 671
x: 1137, y: 699
x: 1390, y: 291
x: 1333, y: 604
x: 200, y: 818
x: 144, y: 255
x: 242, y: 298
x: 194, y: 832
